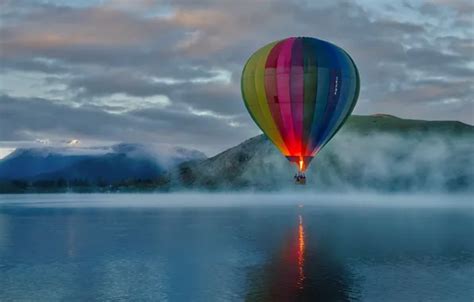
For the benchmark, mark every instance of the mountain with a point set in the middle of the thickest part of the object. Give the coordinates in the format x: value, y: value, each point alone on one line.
x: 370, y: 153
x: 107, y: 164
x: 109, y: 167
x: 26, y: 163
x: 380, y: 153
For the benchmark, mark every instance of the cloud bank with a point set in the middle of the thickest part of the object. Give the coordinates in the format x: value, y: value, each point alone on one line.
x: 169, y: 71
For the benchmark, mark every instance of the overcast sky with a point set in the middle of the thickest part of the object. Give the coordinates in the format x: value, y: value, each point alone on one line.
x: 168, y: 72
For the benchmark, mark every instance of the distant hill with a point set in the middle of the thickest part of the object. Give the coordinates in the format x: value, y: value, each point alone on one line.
x: 106, y: 164
x: 370, y: 153
x: 27, y: 163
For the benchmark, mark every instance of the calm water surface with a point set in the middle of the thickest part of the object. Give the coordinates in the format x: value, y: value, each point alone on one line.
x: 219, y: 247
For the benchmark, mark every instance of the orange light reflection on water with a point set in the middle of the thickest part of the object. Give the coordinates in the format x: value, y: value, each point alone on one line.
x: 301, y: 246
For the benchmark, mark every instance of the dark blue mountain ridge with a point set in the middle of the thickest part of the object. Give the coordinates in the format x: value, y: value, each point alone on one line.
x: 112, y: 163
x: 27, y: 163
x: 110, y: 167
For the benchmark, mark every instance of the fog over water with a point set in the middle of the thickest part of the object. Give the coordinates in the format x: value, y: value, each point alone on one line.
x: 245, y: 199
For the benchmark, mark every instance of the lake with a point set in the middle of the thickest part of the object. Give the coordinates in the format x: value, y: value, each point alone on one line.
x: 236, y: 247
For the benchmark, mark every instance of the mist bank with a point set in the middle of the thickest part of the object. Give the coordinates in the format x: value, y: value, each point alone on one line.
x: 371, y: 153
x: 380, y: 153
x: 193, y: 199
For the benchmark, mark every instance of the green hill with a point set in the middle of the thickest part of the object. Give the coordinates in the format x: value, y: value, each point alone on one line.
x: 370, y: 153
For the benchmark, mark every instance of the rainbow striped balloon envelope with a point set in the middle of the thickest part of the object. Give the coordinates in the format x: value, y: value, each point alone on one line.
x: 300, y: 91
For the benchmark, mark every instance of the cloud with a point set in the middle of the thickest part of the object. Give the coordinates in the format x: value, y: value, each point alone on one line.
x: 52, y: 122
x: 160, y: 64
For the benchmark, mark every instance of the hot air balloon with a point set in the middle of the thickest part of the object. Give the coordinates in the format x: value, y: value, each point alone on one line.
x: 300, y: 91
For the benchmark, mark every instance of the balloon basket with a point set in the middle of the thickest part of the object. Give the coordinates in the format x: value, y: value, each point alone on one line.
x: 300, y: 178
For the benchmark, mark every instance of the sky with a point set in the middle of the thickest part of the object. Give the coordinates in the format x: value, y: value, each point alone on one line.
x: 168, y: 72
